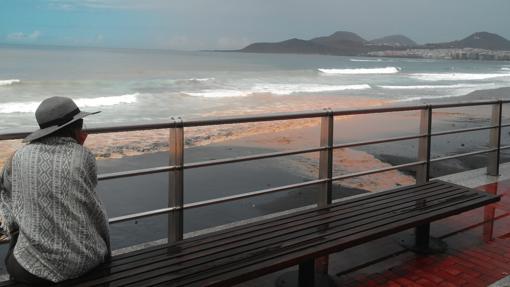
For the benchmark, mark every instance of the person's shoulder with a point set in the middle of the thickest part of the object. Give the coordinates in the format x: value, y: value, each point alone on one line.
x: 87, y: 153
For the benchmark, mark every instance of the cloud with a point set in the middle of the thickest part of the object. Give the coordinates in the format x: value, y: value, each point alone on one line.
x: 20, y: 36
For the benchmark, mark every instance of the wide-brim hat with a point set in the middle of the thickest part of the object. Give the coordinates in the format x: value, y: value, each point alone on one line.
x: 54, y: 114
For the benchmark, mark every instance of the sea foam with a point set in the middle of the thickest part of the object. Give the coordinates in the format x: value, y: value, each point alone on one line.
x: 411, y: 99
x: 425, y: 87
x: 365, y: 60
x: 30, y: 107
x: 9, y: 82
x: 361, y: 71
x: 217, y: 93
x: 456, y: 76
x: 107, y: 101
x: 287, y: 89
x: 275, y: 89
x: 201, y: 79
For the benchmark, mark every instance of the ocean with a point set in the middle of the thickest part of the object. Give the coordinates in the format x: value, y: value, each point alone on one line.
x: 134, y: 86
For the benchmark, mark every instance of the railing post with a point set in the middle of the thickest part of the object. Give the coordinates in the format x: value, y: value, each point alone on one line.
x: 421, y: 242
x: 495, y: 140
x: 325, y: 172
x: 326, y: 159
x: 176, y: 181
x: 423, y: 171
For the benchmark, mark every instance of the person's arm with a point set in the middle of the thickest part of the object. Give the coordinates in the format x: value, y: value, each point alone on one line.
x: 6, y: 213
x: 103, y: 223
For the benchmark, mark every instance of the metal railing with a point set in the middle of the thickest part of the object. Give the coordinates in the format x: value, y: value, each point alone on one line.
x: 177, y: 166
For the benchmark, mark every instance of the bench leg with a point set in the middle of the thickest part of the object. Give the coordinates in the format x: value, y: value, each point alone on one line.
x: 422, y: 243
x: 306, y: 275
x: 422, y: 236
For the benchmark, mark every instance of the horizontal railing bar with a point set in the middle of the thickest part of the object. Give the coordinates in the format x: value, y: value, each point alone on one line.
x: 353, y: 144
x: 505, y: 147
x: 254, y: 118
x: 205, y: 163
x: 467, y: 104
x: 19, y: 134
x: 141, y: 215
x: 254, y: 193
x: 135, y: 172
x: 357, y: 174
x: 252, y: 157
x: 213, y: 201
x: 378, y: 110
x: 462, y: 155
x: 463, y: 130
x: 505, y: 125
x: 15, y: 134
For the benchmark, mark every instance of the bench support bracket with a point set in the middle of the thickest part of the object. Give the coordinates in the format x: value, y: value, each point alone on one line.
x: 306, y: 276
x: 421, y: 242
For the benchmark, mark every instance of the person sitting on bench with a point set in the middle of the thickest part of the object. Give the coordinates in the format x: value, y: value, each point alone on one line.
x: 57, y: 223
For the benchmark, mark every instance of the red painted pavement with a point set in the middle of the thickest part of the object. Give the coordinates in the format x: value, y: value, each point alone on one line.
x: 478, y: 253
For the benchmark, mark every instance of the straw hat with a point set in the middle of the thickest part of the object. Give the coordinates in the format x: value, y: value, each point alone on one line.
x: 54, y: 114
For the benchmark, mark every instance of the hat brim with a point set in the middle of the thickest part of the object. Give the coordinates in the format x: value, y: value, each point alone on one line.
x: 51, y: 129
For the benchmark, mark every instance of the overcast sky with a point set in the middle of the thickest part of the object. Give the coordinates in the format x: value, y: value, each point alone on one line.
x: 232, y: 24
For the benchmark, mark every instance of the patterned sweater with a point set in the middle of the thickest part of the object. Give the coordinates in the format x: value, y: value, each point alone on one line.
x: 49, y: 197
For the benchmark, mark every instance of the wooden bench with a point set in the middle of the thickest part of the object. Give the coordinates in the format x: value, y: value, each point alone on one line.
x: 242, y: 253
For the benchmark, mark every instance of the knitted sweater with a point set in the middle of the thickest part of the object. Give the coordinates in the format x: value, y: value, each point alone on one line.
x: 49, y: 197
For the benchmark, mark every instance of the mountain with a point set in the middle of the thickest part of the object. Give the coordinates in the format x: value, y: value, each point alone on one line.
x: 345, y: 43
x: 479, y: 40
x: 296, y: 46
x: 394, y: 41
x: 485, y: 40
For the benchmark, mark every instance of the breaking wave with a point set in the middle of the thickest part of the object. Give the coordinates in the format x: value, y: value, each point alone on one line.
x: 411, y: 99
x: 30, y: 107
x: 361, y: 71
x: 201, y: 79
x: 107, y: 101
x: 455, y: 76
x: 423, y: 87
x: 218, y: 93
x: 275, y: 89
x: 9, y: 82
x: 287, y: 89
x: 365, y: 60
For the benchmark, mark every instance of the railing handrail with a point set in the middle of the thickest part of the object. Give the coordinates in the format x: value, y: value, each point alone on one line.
x: 174, y: 123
